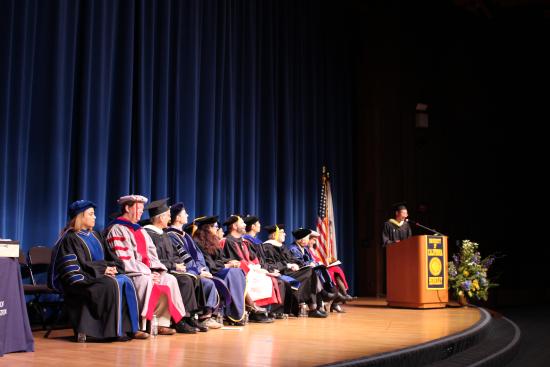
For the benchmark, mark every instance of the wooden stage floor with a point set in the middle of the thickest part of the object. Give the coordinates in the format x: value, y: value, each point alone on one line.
x: 368, y: 328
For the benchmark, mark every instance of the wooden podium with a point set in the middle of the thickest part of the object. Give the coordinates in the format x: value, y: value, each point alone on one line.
x: 417, y: 272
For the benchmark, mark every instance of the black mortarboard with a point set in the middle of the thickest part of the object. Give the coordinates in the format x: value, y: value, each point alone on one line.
x: 157, y: 207
x: 232, y: 219
x: 399, y: 206
x: 250, y: 220
x: 274, y: 227
x: 175, y: 210
x: 79, y: 206
x: 205, y: 220
x: 300, y: 233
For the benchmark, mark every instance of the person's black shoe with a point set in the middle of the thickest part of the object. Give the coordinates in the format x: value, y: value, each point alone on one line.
x: 260, y: 317
x: 185, y: 328
x: 340, y: 298
x: 349, y: 298
x: 343, y: 298
x: 317, y: 314
x: 235, y: 323
x: 335, y: 307
x: 279, y: 315
x: 198, y: 325
x: 327, y: 296
x: 255, y: 308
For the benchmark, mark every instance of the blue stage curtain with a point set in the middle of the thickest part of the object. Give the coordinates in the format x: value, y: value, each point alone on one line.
x: 228, y: 106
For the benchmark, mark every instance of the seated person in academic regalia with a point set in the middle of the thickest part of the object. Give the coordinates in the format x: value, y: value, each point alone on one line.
x: 157, y: 290
x: 194, y: 263
x: 252, y: 228
x: 262, y: 289
x: 397, y: 228
x: 221, y: 268
x: 303, y: 257
x: 189, y: 284
x: 336, y: 272
x: 100, y: 299
x: 279, y: 258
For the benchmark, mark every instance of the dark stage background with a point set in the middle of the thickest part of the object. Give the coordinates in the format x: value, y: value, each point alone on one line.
x: 234, y: 106
x: 474, y: 172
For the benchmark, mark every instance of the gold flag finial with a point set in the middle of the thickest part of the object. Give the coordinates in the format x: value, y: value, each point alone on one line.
x: 325, y: 174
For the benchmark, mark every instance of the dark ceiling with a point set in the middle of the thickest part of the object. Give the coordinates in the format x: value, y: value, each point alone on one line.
x: 496, y: 8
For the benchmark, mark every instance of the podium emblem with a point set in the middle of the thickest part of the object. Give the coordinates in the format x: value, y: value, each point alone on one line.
x: 435, y: 258
x: 435, y: 266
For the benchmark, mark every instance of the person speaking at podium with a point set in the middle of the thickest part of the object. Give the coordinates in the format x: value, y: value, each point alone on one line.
x: 397, y: 228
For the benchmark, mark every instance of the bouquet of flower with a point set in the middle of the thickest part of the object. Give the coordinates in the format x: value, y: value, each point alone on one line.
x: 468, y: 272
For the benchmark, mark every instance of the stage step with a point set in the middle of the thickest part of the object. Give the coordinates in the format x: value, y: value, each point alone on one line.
x: 498, y: 348
x: 490, y: 342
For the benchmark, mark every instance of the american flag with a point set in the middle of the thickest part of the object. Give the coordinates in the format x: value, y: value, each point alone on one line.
x: 325, y: 222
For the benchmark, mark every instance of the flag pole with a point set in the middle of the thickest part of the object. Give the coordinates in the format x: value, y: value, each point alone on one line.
x: 327, y: 219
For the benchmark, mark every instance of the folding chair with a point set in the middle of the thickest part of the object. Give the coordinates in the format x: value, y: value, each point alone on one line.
x: 38, y: 262
x: 33, y: 289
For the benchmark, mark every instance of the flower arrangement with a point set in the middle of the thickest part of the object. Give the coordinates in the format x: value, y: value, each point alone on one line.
x: 468, y: 272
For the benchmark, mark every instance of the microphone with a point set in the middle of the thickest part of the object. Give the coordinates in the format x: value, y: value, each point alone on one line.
x: 437, y: 233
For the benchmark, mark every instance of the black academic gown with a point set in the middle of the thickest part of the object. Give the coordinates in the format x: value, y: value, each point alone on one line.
x: 190, y: 286
x: 260, y: 252
x: 233, y: 245
x: 392, y: 232
x: 231, y: 250
x: 303, y: 257
x: 216, y: 261
x: 289, y: 303
x: 234, y: 281
x: 93, y: 300
x: 278, y: 258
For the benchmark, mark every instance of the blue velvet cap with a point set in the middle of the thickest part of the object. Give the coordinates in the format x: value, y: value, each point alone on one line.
x: 79, y: 206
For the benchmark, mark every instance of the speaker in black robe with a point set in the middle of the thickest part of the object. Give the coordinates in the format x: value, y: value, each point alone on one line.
x: 394, y: 231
